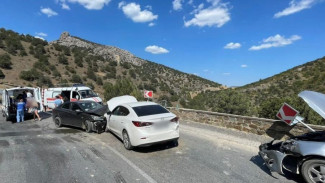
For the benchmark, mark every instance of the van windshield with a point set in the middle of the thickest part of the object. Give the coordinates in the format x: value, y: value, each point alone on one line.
x: 87, y: 93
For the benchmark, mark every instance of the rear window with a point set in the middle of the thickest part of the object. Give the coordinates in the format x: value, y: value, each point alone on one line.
x: 148, y: 110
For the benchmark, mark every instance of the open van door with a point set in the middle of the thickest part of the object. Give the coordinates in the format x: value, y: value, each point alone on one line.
x: 38, y: 98
x: 5, y: 104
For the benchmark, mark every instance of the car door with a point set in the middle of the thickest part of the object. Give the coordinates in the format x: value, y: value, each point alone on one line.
x: 64, y: 113
x: 38, y: 98
x: 121, y: 119
x: 112, y: 119
x: 75, y: 115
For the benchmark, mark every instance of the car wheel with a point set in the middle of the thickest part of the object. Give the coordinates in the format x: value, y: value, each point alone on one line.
x: 126, y: 140
x: 88, y: 126
x: 57, y: 122
x: 313, y: 170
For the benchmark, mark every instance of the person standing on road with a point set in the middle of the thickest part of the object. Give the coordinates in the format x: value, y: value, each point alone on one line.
x: 20, y: 110
x: 34, y: 109
x: 57, y: 101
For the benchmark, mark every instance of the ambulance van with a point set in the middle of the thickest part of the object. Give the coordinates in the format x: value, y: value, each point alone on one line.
x: 73, y: 93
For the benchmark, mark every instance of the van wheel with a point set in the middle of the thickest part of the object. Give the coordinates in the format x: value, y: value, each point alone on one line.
x: 58, y: 122
x: 126, y: 141
x: 88, y: 126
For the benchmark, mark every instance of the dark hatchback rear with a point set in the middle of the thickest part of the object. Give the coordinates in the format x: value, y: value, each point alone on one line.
x: 87, y: 115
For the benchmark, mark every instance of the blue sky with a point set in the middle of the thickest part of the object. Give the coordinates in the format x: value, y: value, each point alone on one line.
x: 231, y: 42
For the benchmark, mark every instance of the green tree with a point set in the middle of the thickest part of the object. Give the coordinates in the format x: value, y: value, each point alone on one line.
x: 121, y: 87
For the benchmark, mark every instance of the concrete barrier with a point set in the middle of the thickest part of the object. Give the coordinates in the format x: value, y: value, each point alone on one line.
x: 261, y: 126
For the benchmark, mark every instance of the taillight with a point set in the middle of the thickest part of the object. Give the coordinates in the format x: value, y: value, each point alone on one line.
x: 140, y: 124
x: 174, y: 119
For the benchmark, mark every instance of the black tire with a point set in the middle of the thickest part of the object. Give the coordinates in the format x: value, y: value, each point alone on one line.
x: 7, y: 118
x: 313, y: 170
x: 126, y: 140
x: 58, y: 122
x: 88, y: 126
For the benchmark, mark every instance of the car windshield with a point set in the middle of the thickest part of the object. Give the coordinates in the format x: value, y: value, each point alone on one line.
x: 88, y: 106
x: 148, y: 110
x: 87, y: 93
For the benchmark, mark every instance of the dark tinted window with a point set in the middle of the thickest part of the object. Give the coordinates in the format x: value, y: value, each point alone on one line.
x: 65, y: 106
x: 120, y: 111
x: 149, y: 110
x: 75, y: 107
x: 88, y: 106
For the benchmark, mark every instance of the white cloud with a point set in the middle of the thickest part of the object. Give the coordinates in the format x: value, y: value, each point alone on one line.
x: 244, y: 66
x: 226, y: 73
x: 39, y: 37
x: 215, y: 15
x: 196, y: 10
x: 206, y: 70
x: 88, y: 4
x: 41, y: 34
x: 295, y: 7
x: 190, y: 2
x: 134, y: 12
x: 156, y: 49
x: 49, y: 12
x: 65, y: 6
x: 232, y: 45
x: 151, y: 24
x: 275, y: 41
x: 177, y: 5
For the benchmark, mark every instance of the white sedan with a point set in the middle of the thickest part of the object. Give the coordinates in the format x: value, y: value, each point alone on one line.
x: 141, y: 123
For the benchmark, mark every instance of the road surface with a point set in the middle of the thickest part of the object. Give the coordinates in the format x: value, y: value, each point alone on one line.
x: 37, y: 152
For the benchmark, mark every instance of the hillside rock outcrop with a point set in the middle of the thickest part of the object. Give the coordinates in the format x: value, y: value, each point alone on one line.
x: 108, y: 52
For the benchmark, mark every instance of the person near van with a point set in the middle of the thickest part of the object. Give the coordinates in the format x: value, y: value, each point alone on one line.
x: 57, y: 101
x: 20, y: 110
x: 25, y: 96
x: 29, y: 94
x: 34, y: 110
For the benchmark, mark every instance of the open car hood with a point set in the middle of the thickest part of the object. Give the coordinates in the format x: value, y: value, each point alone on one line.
x: 100, y: 111
x: 113, y: 102
x: 315, y: 100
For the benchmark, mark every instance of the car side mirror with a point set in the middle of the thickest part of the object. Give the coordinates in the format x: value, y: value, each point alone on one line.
x: 109, y: 113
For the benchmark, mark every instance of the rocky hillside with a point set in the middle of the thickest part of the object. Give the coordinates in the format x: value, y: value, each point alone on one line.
x: 25, y: 60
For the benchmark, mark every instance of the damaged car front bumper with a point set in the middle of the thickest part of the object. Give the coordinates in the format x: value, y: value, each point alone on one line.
x: 272, y: 156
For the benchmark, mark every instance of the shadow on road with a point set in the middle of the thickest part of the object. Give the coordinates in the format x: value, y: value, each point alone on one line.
x: 279, y: 130
x: 257, y: 160
x: 153, y: 148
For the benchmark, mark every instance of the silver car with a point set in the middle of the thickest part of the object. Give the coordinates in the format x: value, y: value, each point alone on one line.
x: 303, y: 154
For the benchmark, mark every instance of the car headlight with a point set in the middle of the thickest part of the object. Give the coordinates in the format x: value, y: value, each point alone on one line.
x: 97, y: 118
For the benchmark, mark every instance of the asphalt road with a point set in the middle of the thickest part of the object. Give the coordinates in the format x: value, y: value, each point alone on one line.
x: 36, y: 151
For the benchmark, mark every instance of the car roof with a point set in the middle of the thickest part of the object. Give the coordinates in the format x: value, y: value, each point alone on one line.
x: 81, y: 101
x: 142, y: 103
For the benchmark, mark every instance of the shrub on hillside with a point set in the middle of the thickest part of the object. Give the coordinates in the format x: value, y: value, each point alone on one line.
x: 63, y: 60
x: 5, y: 61
x: 76, y: 79
x: 2, y: 75
x: 30, y: 75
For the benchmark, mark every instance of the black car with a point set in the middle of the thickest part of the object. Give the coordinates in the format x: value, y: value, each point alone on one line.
x: 87, y: 115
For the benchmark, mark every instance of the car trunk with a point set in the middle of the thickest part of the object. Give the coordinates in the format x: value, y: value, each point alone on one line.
x: 160, y: 122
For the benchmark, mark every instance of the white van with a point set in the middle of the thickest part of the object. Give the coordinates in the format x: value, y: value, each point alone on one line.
x: 74, y: 93
x: 10, y: 99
